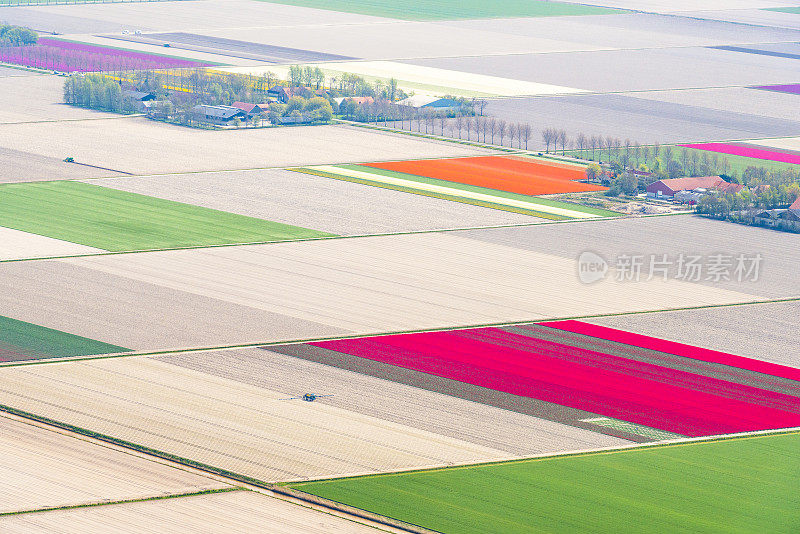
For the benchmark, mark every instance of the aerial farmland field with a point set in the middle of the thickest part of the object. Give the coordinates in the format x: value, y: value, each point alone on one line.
x: 163, y: 148
x: 718, y: 486
x: 115, y: 220
x: 60, y: 470
x: 334, y: 206
x: 229, y: 510
x: 341, y: 280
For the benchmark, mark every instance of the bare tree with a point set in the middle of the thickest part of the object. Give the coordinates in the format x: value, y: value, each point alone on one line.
x: 483, y: 127
x: 442, y: 123
x: 609, y: 146
x: 512, y: 133
x: 476, y: 127
x: 562, y: 138
x: 458, y: 123
x: 526, y: 134
x: 481, y: 105
x: 492, y: 125
x: 502, y: 130
x: 582, y: 142
x: 547, y: 137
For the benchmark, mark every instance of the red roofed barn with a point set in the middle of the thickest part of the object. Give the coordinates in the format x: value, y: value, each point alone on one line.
x: 666, y: 189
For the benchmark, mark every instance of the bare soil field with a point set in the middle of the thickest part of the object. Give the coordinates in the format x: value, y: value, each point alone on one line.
x: 629, y: 70
x: 139, y: 315
x: 39, y: 98
x: 316, y: 202
x: 166, y: 148
x: 731, y: 99
x: 170, y: 16
x: 759, y: 17
x: 43, y: 468
x: 633, y: 30
x: 505, y: 430
x: 227, y: 424
x: 320, y: 288
x: 218, y: 513
x: 671, y: 235
x: 24, y: 166
x: 765, y: 331
x: 668, y: 6
x: 636, y: 118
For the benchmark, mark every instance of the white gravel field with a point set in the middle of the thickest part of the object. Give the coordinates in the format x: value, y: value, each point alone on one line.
x: 43, y: 468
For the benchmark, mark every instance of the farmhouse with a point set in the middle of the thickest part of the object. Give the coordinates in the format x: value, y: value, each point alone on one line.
x: 443, y: 105
x: 356, y: 99
x: 220, y: 115
x: 667, y: 189
x: 251, y: 109
x: 281, y: 93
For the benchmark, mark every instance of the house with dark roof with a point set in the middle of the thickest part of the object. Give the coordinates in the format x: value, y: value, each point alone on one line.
x: 283, y: 94
x: 667, y: 189
x: 219, y: 115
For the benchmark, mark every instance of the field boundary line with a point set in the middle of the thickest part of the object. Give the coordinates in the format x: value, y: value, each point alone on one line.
x: 542, y: 222
x: 122, y: 501
x: 588, y: 452
x: 267, y: 344
x: 239, y: 481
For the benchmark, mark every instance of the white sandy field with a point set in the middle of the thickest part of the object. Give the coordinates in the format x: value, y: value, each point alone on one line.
x: 787, y: 143
x: 15, y: 244
x: 217, y: 513
x: 44, y: 468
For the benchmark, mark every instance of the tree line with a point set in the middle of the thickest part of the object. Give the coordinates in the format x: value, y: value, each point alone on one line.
x: 17, y: 35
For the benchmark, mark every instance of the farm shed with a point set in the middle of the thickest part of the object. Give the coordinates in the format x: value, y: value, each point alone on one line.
x: 430, y: 102
x: 221, y: 115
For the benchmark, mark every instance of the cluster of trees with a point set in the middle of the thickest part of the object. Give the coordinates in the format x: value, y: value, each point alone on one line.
x: 739, y: 207
x: 96, y: 91
x: 17, y: 36
x: 314, y: 109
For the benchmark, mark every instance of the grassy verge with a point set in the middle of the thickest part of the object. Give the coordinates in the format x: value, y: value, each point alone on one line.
x: 745, y: 484
x: 118, y: 221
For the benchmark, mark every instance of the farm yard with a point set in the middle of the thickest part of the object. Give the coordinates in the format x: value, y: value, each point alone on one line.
x: 435, y: 306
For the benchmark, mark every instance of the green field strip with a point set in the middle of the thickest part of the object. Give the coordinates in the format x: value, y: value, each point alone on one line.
x: 632, y: 428
x: 115, y: 220
x: 41, y: 342
x: 790, y: 10
x: 746, y: 484
x: 454, y: 198
x: 483, y: 190
x: 452, y: 9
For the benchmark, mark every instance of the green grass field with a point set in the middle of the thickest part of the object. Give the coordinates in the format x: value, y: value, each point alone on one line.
x: 745, y: 485
x: 451, y: 9
x: 21, y: 340
x: 117, y: 220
